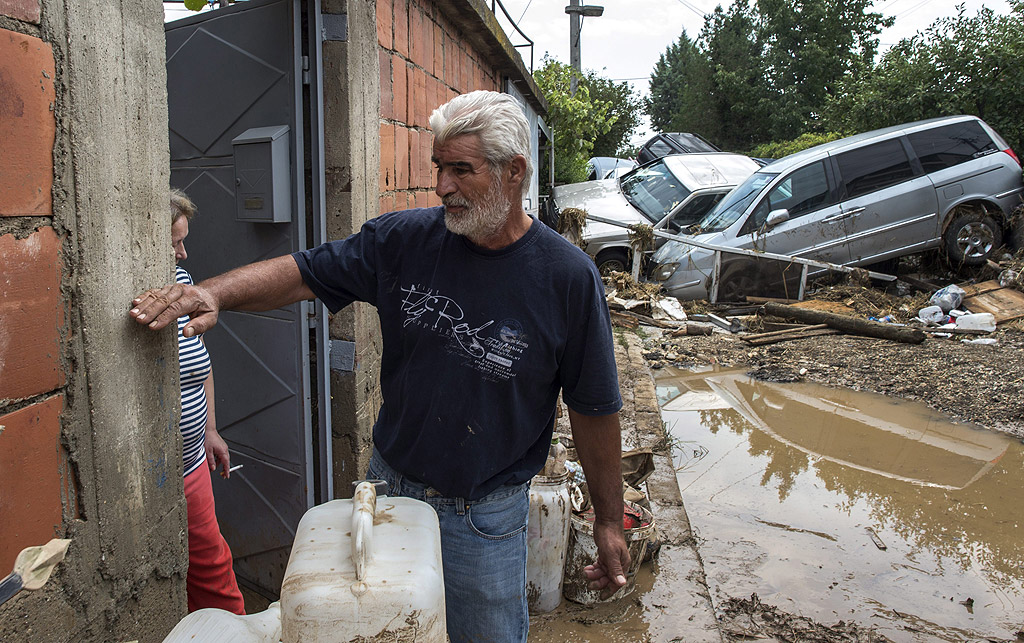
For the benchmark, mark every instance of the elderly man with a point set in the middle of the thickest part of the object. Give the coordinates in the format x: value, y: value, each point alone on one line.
x: 486, y: 314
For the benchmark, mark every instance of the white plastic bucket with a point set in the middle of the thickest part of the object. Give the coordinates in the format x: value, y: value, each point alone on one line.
x: 547, y: 536
x: 216, y: 626
x: 977, y: 321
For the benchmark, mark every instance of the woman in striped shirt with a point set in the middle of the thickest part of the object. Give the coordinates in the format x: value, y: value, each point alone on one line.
x: 211, y: 580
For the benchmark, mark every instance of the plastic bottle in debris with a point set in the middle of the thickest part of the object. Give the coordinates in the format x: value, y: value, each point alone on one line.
x: 555, y: 465
x: 977, y: 321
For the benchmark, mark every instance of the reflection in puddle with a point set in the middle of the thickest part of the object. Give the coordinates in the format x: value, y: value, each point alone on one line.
x: 839, y: 505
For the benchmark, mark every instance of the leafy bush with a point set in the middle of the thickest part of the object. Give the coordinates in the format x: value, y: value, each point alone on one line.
x: 778, y: 149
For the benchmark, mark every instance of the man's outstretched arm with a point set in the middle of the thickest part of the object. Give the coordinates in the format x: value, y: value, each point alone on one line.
x: 265, y: 285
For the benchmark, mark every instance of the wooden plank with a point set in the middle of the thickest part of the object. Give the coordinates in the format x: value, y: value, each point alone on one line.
x: 785, y: 331
x: 797, y: 335
x: 971, y: 290
x: 1005, y: 304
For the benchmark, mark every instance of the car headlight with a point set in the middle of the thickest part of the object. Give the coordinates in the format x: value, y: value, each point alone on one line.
x: 663, y: 271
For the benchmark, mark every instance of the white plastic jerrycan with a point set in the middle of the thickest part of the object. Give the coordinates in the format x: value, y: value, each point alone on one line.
x: 216, y: 626
x: 365, y: 569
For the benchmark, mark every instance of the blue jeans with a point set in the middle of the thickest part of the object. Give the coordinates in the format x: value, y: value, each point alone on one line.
x: 483, y: 552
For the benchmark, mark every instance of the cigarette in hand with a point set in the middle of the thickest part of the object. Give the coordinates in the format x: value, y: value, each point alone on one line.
x: 234, y: 468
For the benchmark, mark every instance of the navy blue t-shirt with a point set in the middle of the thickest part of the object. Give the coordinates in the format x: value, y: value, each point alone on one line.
x: 477, y: 344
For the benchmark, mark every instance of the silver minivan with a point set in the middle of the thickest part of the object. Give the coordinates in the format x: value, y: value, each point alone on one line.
x: 949, y: 183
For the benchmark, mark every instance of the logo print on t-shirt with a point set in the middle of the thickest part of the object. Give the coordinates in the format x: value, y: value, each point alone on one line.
x: 493, y: 356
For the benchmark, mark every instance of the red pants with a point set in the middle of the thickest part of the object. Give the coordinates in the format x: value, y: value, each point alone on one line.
x: 211, y: 580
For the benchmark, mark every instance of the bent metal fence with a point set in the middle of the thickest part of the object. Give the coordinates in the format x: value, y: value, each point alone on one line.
x: 723, y: 251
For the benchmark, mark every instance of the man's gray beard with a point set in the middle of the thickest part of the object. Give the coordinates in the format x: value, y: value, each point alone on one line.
x: 479, y: 221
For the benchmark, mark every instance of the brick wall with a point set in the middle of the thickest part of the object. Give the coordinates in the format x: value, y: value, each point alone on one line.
x: 425, y: 60
x: 32, y: 314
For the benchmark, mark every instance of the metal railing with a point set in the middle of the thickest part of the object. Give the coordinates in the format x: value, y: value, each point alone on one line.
x: 496, y: 4
x: 720, y: 250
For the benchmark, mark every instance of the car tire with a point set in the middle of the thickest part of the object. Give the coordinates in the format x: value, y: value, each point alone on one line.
x: 972, y: 237
x: 737, y: 281
x: 612, y: 260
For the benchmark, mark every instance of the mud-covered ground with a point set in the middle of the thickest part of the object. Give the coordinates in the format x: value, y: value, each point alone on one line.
x: 979, y: 383
x: 976, y: 383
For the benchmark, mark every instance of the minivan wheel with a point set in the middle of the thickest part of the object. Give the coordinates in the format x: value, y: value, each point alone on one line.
x: 738, y: 281
x: 972, y: 237
x: 612, y: 260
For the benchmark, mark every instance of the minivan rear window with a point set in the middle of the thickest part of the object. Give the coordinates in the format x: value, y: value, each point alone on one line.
x: 949, y: 145
x: 874, y: 167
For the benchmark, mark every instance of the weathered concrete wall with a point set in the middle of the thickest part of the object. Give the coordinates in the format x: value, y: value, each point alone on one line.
x: 402, y: 59
x: 89, y: 447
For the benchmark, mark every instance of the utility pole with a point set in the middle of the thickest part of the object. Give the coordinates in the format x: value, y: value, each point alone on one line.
x: 576, y: 13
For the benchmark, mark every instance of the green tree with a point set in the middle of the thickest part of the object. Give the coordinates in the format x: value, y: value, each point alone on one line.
x: 624, y: 114
x: 958, y: 65
x: 577, y: 120
x: 680, y: 86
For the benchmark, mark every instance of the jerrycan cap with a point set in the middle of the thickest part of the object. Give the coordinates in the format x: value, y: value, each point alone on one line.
x: 380, y: 486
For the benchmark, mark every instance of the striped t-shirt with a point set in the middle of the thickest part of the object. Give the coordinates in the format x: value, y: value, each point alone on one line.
x: 194, y: 364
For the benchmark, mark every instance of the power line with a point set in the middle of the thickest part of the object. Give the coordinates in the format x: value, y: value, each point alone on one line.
x: 524, y: 11
x: 691, y: 7
x: 916, y: 6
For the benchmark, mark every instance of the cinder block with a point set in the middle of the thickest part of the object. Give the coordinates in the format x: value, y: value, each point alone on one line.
x: 387, y: 104
x: 27, y: 124
x: 400, y: 18
x: 387, y: 157
x: 27, y: 10
x: 400, y: 88
x: 30, y: 478
x: 385, y: 26
x: 401, y: 158
x: 31, y: 314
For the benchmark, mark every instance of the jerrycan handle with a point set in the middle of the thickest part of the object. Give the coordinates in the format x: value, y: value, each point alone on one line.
x: 364, y: 508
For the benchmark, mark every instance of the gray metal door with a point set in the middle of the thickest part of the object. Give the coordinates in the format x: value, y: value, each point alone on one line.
x: 229, y: 71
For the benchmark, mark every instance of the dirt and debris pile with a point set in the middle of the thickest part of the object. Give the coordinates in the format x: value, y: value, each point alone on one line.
x: 750, y: 619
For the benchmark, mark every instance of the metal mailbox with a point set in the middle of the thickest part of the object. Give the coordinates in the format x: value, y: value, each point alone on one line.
x: 263, y: 175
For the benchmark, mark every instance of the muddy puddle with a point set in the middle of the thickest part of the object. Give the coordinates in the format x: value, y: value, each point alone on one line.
x: 843, y: 506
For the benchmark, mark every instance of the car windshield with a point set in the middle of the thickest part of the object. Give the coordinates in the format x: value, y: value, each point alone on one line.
x: 734, y: 204
x: 653, y: 190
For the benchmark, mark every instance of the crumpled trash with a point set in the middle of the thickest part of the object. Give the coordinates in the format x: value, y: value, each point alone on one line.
x: 984, y: 341
x: 932, y: 314
x: 948, y: 298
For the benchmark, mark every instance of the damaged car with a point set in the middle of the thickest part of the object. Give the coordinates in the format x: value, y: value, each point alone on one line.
x: 950, y: 183
x: 669, y: 193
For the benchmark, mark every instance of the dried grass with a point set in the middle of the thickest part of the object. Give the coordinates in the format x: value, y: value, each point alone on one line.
x: 570, y: 225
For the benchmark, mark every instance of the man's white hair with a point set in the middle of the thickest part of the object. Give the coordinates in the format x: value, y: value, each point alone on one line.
x: 496, y: 118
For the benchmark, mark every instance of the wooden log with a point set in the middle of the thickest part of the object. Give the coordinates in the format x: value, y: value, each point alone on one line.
x: 626, y: 320
x: 847, y: 324
x: 691, y: 329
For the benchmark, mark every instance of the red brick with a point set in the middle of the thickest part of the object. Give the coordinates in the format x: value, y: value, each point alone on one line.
x: 31, y: 314
x: 420, y: 96
x: 426, y: 166
x: 27, y: 10
x: 465, y: 73
x: 400, y: 88
x: 400, y: 19
x: 385, y: 35
x: 427, y: 34
x: 401, y: 158
x: 387, y: 157
x: 438, y: 69
x: 27, y: 125
x: 387, y: 104
x: 433, y: 200
x: 416, y: 20
x: 387, y: 203
x: 422, y: 199
x: 30, y: 477
x: 410, y: 95
x: 414, y: 159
